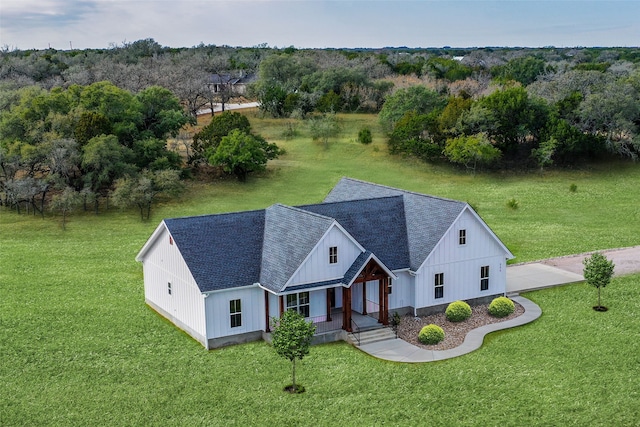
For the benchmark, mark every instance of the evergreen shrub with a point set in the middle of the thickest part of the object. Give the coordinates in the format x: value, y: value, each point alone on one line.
x: 431, y: 334
x: 501, y: 307
x: 458, y: 311
x: 364, y: 136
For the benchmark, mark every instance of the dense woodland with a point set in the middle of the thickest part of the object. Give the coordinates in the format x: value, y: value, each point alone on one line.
x: 82, y: 125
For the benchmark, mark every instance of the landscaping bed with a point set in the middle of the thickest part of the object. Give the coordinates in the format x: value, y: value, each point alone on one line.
x: 454, y: 332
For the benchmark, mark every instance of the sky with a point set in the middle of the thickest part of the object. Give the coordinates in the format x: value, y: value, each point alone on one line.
x: 82, y: 24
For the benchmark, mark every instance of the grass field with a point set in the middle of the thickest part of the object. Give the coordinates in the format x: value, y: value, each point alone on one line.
x: 79, y: 347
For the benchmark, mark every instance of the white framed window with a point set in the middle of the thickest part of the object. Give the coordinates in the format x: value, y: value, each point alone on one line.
x: 462, y: 237
x: 169, y: 288
x: 484, y: 278
x: 299, y: 302
x: 438, y: 285
x: 390, y: 287
x: 333, y: 255
x: 235, y: 313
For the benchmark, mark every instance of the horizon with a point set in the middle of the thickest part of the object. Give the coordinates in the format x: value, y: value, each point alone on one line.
x: 320, y: 24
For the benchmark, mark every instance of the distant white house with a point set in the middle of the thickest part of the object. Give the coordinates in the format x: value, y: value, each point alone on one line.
x: 366, y: 250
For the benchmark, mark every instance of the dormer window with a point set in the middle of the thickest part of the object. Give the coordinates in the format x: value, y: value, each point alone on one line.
x: 462, y: 237
x: 333, y: 255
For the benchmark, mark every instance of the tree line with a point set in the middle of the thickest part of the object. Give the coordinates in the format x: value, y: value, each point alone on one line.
x: 93, y: 124
x: 86, y: 143
x: 560, y: 118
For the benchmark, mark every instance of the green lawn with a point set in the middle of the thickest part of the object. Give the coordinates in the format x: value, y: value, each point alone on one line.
x: 79, y: 347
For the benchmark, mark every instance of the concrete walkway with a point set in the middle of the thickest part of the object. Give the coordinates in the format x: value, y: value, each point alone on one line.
x: 398, y: 350
x: 520, y: 278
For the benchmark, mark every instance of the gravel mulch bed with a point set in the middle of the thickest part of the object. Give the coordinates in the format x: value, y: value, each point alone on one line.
x: 454, y: 332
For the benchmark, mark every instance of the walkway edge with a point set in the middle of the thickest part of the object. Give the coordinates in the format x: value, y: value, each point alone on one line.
x: 398, y: 350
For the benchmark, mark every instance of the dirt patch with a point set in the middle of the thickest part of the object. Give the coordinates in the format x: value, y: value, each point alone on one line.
x: 454, y: 332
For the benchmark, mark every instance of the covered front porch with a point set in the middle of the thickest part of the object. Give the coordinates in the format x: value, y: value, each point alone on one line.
x: 359, y: 301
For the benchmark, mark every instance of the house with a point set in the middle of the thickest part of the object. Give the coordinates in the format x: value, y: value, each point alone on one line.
x: 228, y: 83
x: 366, y: 250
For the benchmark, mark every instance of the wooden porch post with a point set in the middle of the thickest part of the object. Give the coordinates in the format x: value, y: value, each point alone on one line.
x: 381, y: 301
x: 385, y: 318
x: 266, y: 311
x: 346, y: 309
x: 364, y: 298
x: 329, y: 290
x: 281, y: 305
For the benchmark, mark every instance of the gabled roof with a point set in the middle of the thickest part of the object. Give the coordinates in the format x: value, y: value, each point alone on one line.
x: 360, y: 263
x: 374, y: 223
x: 289, y: 236
x: 427, y: 217
x: 218, y: 79
x: 222, y: 251
x: 397, y: 228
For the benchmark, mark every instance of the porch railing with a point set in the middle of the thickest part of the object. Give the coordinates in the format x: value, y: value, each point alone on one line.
x: 323, y: 325
x: 373, y: 308
x: 355, y: 331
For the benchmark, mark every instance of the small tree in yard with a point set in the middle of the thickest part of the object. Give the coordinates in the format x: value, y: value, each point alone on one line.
x: 143, y: 189
x: 324, y: 127
x: 291, y: 339
x: 241, y: 153
x: 65, y: 203
x: 597, y: 272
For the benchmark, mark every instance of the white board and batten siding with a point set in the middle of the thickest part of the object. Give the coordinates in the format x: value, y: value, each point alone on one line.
x: 217, y: 306
x: 317, y: 268
x: 402, y: 293
x: 461, y: 264
x: 184, y: 304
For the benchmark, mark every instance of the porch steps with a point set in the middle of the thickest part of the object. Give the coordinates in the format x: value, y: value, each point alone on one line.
x: 371, y: 336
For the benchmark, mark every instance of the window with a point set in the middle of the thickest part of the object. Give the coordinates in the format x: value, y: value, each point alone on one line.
x: 169, y: 287
x: 390, y: 287
x: 299, y: 302
x: 235, y: 311
x: 484, y: 278
x: 439, y: 285
x: 333, y: 255
x: 462, y: 237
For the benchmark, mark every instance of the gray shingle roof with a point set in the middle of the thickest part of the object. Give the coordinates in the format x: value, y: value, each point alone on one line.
x: 290, y: 235
x: 427, y: 217
x: 374, y: 223
x: 356, y: 267
x: 222, y: 251
x: 267, y: 246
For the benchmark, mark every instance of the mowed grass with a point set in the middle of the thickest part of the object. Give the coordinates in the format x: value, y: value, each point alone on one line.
x: 79, y: 347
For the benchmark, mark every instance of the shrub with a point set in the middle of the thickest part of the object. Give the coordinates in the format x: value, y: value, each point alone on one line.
x: 431, y: 334
x: 501, y: 307
x: 364, y: 136
x: 573, y: 188
x: 458, y: 311
x: 513, y: 204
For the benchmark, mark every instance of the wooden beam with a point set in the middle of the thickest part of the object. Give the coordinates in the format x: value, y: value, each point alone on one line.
x: 346, y: 309
x: 385, y: 320
x: 381, y: 301
x: 266, y: 311
x: 364, y: 298
x: 281, y: 305
x: 329, y: 290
